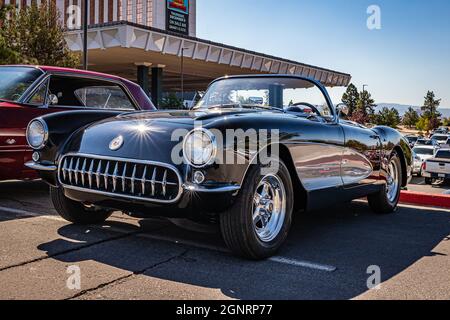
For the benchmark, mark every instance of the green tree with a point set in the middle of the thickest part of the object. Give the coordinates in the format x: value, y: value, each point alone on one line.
x: 423, y: 124
x: 364, y: 111
x: 37, y: 35
x: 350, y: 98
x: 446, y: 122
x: 7, y: 55
x: 170, y: 102
x: 387, y: 117
x: 410, y: 118
x: 430, y: 110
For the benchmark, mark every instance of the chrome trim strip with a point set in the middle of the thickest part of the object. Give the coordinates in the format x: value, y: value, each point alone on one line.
x: 129, y: 161
x: 197, y: 188
x: 40, y: 167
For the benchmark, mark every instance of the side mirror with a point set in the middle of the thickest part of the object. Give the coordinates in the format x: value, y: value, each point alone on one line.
x: 342, y: 109
x: 52, y: 99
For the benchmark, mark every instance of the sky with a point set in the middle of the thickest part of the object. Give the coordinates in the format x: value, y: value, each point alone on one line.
x: 400, y: 62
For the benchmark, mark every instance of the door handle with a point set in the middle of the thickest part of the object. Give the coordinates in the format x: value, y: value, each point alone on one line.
x: 375, y: 137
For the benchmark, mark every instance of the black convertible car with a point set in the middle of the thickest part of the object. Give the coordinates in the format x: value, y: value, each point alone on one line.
x: 255, y: 150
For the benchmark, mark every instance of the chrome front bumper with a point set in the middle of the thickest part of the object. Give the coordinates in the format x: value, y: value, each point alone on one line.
x: 40, y: 167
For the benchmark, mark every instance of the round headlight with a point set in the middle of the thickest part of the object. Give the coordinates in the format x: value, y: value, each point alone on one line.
x: 200, y: 148
x: 37, y: 134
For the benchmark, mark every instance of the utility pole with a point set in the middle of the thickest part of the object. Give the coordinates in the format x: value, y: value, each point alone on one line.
x: 85, y: 29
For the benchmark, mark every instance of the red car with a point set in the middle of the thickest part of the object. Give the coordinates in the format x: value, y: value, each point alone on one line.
x: 27, y: 92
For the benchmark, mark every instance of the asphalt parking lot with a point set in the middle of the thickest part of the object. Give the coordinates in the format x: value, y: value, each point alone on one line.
x: 327, y: 256
x: 439, y: 187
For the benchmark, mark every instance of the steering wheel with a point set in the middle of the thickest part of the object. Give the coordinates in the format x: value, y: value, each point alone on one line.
x: 308, y: 105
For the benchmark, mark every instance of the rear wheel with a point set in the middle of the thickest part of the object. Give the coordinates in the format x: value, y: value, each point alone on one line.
x: 386, y: 200
x: 428, y: 181
x: 257, y: 225
x: 76, y: 212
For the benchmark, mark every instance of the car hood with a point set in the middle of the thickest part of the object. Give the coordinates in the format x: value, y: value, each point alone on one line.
x: 150, y: 135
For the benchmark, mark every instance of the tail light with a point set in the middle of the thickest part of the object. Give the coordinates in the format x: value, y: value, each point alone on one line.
x: 424, y: 166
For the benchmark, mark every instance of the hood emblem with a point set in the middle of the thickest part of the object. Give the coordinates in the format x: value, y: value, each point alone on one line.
x: 116, y: 143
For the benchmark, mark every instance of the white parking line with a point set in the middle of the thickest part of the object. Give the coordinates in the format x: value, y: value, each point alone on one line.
x: 304, y: 264
x: 277, y: 259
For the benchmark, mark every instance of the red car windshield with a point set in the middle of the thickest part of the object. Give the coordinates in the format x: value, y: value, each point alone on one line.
x: 14, y: 81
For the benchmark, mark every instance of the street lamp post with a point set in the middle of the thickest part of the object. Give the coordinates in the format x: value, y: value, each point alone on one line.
x: 85, y: 29
x: 182, y: 74
x: 364, y: 87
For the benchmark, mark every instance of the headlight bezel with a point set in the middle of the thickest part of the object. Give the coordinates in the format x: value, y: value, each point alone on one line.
x: 45, y: 135
x: 212, y: 141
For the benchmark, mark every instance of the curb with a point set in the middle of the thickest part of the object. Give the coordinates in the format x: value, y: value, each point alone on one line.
x: 425, y: 199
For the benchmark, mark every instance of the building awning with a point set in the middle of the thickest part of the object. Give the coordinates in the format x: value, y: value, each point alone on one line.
x: 117, y: 47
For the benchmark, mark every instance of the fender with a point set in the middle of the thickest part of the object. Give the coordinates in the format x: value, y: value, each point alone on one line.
x: 392, y: 140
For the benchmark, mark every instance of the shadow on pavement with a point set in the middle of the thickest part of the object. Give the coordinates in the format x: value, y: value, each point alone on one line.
x: 24, y: 195
x: 348, y: 237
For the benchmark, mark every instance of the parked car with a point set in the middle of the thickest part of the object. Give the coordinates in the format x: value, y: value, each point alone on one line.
x: 437, y: 167
x: 421, y: 154
x: 27, y: 92
x: 412, y: 140
x: 210, y: 164
x: 440, y: 138
x: 427, y: 142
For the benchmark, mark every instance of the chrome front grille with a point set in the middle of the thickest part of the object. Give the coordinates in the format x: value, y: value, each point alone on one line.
x: 126, y: 178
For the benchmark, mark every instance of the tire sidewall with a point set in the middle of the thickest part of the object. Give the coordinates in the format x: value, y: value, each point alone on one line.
x: 394, y: 203
x: 253, y: 179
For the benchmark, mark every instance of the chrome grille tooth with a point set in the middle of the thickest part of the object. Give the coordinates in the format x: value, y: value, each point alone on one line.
x: 83, y: 171
x: 70, y: 170
x: 106, y: 175
x: 97, y: 174
x: 124, y: 178
x: 64, y: 169
x: 153, y: 182
x: 116, y: 171
x: 91, y: 168
x: 164, y: 183
x: 143, y: 181
x: 77, y: 165
x: 133, y: 179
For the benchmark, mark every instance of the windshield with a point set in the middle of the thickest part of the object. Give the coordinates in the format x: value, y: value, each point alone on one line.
x: 443, y: 154
x: 424, y: 142
x: 440, y: 138
x: 14, y: 81
x: 412, y: 139
x: 423, y: 151
x: 268, y: 93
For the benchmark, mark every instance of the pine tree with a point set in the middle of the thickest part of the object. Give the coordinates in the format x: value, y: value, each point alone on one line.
x: 410, y: 118
x: 387, y: 117
x: 430, y: 112
x: 37, y: 34
x: 350, y: 98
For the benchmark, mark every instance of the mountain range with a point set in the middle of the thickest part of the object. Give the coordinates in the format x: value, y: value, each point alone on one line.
x: 401, y: 108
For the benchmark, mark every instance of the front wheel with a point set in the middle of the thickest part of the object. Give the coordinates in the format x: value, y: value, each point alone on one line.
x: 257, y: 225
x: 386, y: 200
x: 76, y: 212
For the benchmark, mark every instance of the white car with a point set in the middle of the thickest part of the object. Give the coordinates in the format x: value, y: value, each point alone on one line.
x: 440, y: 138
x: 437, y: 167
x: 422, y: 154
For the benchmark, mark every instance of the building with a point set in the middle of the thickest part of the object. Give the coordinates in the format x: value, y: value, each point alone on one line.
x: 149, y: 40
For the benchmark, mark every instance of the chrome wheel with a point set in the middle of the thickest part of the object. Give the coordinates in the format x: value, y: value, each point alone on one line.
x: 269, y: 208
x: 392, y: 183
